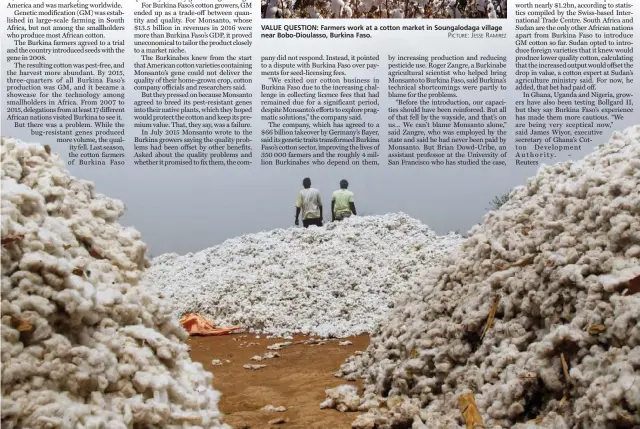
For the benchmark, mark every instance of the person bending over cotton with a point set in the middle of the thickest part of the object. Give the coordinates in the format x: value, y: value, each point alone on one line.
x: 309, y: 204
x: 342, y: 205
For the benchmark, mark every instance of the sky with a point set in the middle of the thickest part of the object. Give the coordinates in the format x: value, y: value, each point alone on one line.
x: 179, y: 211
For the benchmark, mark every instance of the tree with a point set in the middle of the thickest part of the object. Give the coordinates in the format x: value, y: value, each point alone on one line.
x: 498, y: 201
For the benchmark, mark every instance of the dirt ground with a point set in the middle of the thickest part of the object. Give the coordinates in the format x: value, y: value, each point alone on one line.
x: 296, y: 379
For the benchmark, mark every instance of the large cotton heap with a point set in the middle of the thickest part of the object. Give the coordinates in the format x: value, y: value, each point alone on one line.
x: 557, y: 265
x: 338, y: 280
x: 84, y: 342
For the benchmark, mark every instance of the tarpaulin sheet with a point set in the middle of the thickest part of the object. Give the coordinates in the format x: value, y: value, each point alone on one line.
x: 197, y: 324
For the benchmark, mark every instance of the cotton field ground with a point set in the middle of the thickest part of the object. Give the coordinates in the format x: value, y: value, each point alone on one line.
x: 294, y: 380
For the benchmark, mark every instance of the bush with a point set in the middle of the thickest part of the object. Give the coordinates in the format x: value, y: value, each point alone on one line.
x: 498, y: 201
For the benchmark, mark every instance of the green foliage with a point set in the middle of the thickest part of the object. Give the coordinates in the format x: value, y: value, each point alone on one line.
x: 498, y: 201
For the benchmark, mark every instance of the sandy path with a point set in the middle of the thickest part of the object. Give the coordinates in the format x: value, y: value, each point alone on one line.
x: 296, y: 379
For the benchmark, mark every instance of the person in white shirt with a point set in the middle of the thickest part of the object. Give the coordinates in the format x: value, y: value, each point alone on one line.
x: 342, y: 205
x: 309, y: 204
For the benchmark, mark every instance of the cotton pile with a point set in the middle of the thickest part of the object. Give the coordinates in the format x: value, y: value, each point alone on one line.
x: 334, y: 281
x: 85, y: 343
x: 559, y: 266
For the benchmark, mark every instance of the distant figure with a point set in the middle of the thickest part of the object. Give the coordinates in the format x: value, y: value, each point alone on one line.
x: 309, y: 204
x: 342, y: 205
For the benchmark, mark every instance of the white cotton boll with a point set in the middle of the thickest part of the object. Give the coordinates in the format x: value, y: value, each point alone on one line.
x: 452, y: 10
x: 347, y: 12
x: 343, y: 398
x: 273, y: 409
x: 336, y: 7
x: 616, y: 281
x: 491, y: 11
x: 313, y: 13
x: 271, y: 11
x: 36, y: 303
x: 630, y: 384
x: 557, y: 259
x: 254, y: 367
x: 418, y: 423
x: 89, y: 352
x: 367, y: 5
